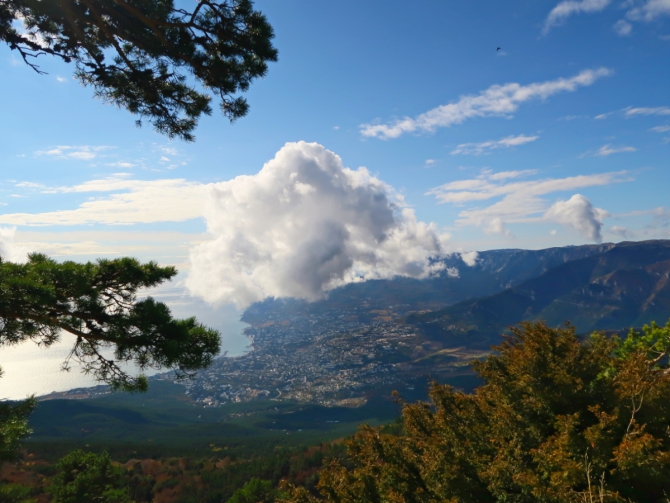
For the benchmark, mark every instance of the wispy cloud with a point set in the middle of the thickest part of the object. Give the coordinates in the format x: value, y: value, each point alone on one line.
x: 30, y: 185
x: 567, y: 8
x: 487, y: 146
x: 496, y: 101
x: 647, y: 111
x: 630, y: 112
x: 82, y: 153
x: 134, y: 201
x: 606, y: 150
x: 638, y: 10
x: 660, y: 129
x: 622, y: 28
x: 620, y: 230
x: 649, y: 10
x: 519, y: 201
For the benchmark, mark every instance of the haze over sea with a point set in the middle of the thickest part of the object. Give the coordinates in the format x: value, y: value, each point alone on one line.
x: 30, y: 369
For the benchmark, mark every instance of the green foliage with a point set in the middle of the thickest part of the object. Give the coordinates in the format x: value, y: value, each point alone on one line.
x: 136, y: 54
x: 182, y: 480
x: 13, y: 426
x: 255, y: 491
x: 557, y: 420
x: 654, y: 340
x: 15, y: 493
x: 88, y: 477
x: 97, y: 302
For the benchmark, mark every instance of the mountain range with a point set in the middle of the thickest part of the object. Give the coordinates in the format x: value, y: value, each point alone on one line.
x: 595, y: 287
x: 621, y: 286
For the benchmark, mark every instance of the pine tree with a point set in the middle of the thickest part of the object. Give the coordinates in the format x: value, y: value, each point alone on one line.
x: 138, y: 54
x: 98, y: 303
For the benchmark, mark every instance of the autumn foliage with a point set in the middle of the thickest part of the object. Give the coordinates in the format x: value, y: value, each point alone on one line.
x: 557, y: 420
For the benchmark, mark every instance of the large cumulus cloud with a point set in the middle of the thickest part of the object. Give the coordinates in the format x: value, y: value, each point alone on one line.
x: 303, y: 225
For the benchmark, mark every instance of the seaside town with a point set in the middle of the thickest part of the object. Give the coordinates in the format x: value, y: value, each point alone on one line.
x: 330, y: 357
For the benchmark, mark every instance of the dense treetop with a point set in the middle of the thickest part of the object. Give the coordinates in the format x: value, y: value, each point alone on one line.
x: 557, y: 420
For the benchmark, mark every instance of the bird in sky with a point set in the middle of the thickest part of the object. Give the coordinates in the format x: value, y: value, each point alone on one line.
x: 498, y: 49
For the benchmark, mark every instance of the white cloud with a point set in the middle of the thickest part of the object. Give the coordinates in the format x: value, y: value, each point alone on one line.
x: 648, y: 111
x: 138, y: 201
x: 168, y: 150
x: 487, y: 146
x: 567, y: 8
x: 580, y: 215
x: 638, y: 10
x: 622, y: 28
x: 303, y: 225
x: 649, y: 10
x: 470, y: 258
x: 34, y: 34
x: 506, y: 175
x: 82, y: 153
x: 519, y: 201
x: 483, y: 187
x: 620, y: 230
x: 496, y: 101
x: 430, y: 161
x: 660, y: 129
x: 30, y: 185
x: 606, y: 150
x: 91, y: 242
x: 9, y: 251
x: 496, y: 225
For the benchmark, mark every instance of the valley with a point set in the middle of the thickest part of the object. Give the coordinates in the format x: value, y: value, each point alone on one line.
x: 344, y: 349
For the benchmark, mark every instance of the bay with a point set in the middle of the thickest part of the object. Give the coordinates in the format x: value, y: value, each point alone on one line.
x: 29, y: 369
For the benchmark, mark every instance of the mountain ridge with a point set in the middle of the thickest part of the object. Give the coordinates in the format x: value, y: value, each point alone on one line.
x: 624, y: 286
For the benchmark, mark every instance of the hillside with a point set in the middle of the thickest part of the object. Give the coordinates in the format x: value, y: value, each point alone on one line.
x: 624, y: 286
x: 492, y: 272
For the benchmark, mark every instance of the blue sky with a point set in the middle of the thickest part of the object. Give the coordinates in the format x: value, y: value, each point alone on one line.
x: 560, y: 137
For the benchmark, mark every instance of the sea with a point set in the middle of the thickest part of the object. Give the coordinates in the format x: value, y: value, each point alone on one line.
x: 29, y: 369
